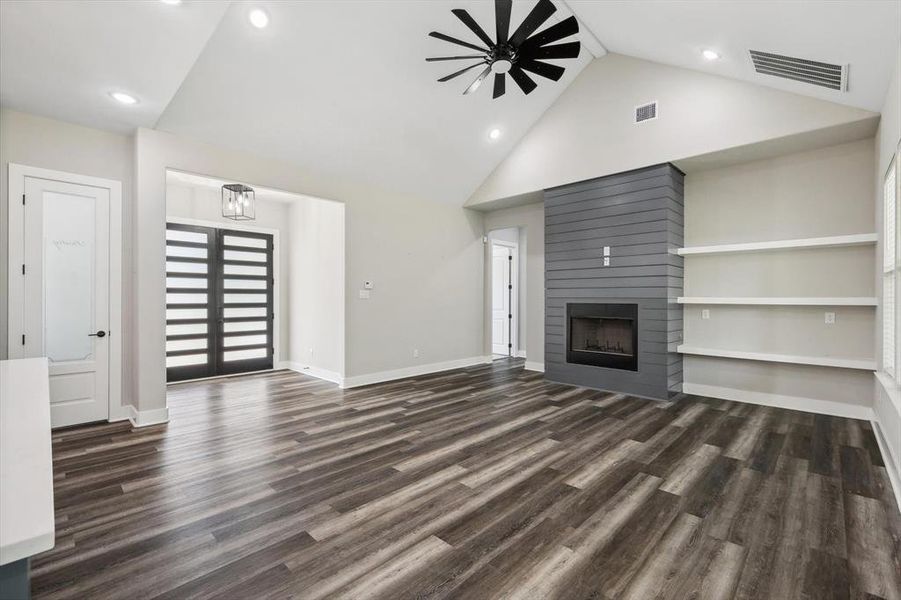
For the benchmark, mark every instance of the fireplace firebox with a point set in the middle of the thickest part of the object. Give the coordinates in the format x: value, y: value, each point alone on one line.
x: 602, y: 335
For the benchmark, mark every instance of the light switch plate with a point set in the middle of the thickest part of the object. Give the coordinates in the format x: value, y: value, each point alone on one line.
x: 705, y: 313
x: 364, y: 294
x: 830, y: 318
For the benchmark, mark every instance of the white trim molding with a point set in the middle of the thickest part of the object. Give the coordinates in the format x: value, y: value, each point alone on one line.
x: 811, y: 405
x: 534, y: 366
x: 138, y: 418
x: 887, y: 425
x: 380, y: 376
x: 324, y: 374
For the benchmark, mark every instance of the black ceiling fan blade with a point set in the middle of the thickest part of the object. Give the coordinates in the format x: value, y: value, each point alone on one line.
x: 502, y: 9
x: 568, y: 50
x: 499, y: 85
x: 470, y: 57
x: 525, y: 83
x: 473, y: 26
x: 475, y: 84
x: 544, y: 69
x: 540, y: 13
x: 453, y: 40
x: 565, y: 28
x: 460, y: 72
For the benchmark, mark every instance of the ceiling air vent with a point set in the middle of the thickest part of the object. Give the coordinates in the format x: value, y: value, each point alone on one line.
x: 834, y: 77
x: 646, y: 112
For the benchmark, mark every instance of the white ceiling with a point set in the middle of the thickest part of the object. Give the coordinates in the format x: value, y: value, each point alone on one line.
x: 862, y: 33
x: 342, y: 88
x: 62, y: 58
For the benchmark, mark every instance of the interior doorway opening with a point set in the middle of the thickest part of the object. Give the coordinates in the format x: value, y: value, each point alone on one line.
x: 505, y: 296
x: 256, y: 294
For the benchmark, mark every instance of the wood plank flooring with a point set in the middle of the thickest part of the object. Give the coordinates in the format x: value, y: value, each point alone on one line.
x: 485, y: 482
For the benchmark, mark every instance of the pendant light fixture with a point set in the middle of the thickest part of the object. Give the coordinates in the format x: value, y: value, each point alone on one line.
x: 238, y: 202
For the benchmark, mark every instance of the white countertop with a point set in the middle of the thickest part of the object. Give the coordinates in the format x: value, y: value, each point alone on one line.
x: 26, y: 462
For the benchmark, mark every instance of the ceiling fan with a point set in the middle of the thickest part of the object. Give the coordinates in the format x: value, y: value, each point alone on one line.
x: 517, y: 53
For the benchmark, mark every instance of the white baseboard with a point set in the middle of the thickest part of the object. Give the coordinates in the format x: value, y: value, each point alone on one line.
x: 380, y: 376
x: 891, y: 466
x: 141, y: 418
x: 534, y: 366
x: 823, y: 407
x: 332, y: 376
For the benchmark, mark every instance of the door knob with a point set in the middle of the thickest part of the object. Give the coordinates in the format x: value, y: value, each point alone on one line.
x: 100, y: 333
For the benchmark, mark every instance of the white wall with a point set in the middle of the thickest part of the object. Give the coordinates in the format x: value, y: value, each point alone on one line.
x: 425, y: 258
x: 589, y: 132
x: 529, y: 219
x: 204, y: 204
x: 817, y: 193
x: 38, y: 142
x: 317, y: 287
x: 887, y: 399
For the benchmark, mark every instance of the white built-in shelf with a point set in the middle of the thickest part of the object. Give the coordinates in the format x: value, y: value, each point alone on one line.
x: 835, y: 241
x: 819, y: 361
x: 772, y: 301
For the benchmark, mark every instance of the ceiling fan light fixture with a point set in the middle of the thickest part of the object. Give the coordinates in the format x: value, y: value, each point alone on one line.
x: 501, y: 65
x: 515, y: 53
x: 494, y: 134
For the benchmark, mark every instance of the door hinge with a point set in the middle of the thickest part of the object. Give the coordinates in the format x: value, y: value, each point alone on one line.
x: 23, y: 269
x: 509, y: 257
x: 23, y: 199
x: 23, y: 339
x: 510, y: 316
x: 509, y: 345
x: 510, y: 287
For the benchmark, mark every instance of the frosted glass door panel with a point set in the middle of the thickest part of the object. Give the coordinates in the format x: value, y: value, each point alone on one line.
x: 67, y: 294
x: 68, y: 276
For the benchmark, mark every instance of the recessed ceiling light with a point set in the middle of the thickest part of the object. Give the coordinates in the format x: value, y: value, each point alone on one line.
x: 494, y: 134
x: 123, y: 98
x: 259, y: 18
x: 710, y: 54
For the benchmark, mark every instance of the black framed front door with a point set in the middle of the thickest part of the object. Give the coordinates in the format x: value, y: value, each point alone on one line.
x: 219, y: 301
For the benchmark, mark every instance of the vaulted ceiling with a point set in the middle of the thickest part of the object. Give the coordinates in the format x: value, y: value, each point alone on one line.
x: 342, y: 87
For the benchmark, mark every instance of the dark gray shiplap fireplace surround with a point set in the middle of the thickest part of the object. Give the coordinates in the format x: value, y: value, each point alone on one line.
x: 611, y: 282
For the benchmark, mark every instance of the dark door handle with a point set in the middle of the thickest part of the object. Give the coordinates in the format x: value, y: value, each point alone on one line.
x: 98, y: 334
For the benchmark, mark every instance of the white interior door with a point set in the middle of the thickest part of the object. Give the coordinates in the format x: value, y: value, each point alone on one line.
x: 67, y: 294
x: 501, y: 310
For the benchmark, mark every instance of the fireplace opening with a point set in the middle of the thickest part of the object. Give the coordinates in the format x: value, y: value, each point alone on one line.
x: 603, y: 335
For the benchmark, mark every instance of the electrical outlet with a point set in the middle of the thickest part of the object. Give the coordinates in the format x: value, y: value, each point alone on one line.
x: 705, y: 313
x: 415, y: 352
x: 830, y: 318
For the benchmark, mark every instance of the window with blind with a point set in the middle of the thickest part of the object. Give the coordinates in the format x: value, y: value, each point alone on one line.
x: 219, y: 302
x: 889, y: 270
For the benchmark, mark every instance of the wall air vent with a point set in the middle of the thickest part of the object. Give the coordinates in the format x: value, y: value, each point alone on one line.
x: 646, y: 112
x: 834, y: 77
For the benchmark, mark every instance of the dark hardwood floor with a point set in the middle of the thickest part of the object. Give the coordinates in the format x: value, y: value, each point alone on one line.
x: 485, y: 482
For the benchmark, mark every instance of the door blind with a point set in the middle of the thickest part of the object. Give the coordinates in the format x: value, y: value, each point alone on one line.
x: 219, y: 302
